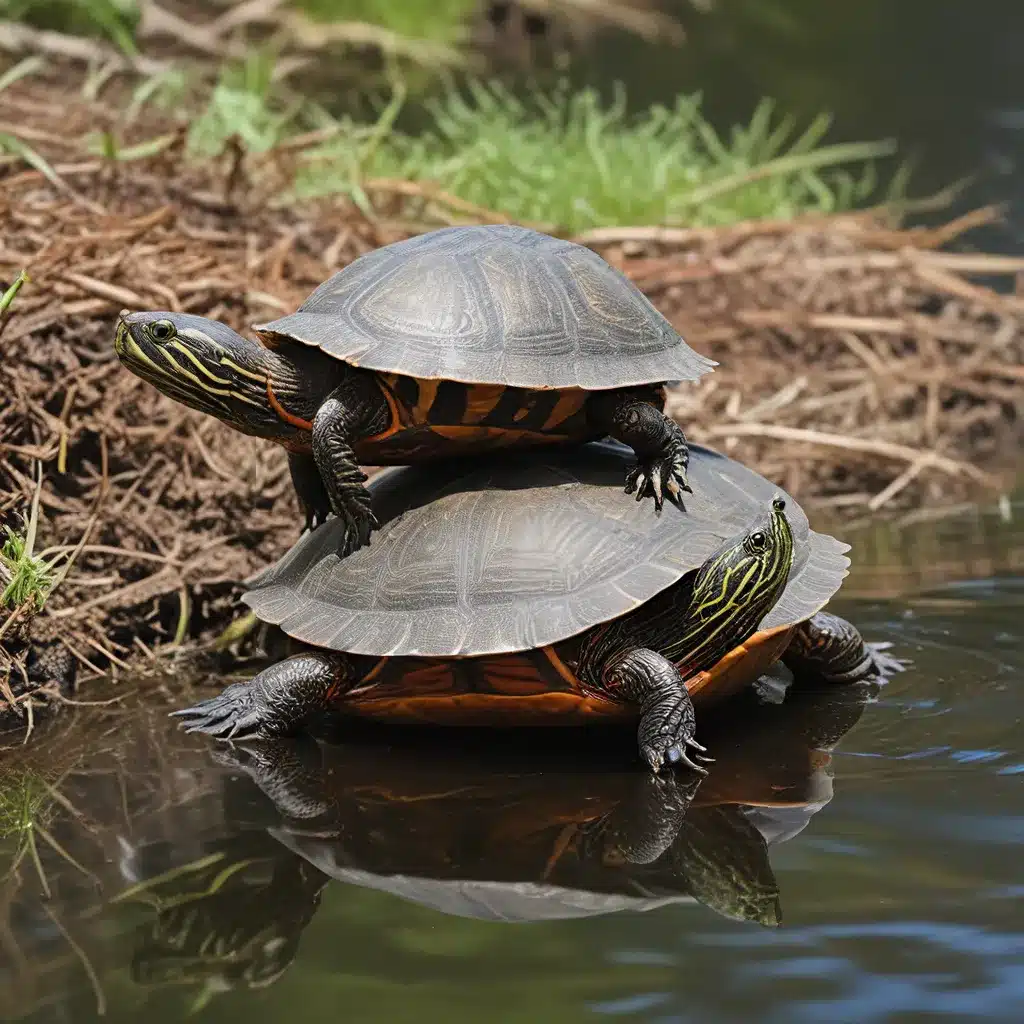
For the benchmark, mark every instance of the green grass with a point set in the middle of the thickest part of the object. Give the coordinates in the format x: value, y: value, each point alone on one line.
x: 564, y: 160
x: 23, y: 802
x: 29, y: 578
x: 440, y: 21
x: 25, y: 807
x: 569, y: 160
x: 11, y: 293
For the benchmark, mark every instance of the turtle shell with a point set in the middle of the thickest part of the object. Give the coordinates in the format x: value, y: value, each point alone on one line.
x: 492, y: 557
x: 495, y: 304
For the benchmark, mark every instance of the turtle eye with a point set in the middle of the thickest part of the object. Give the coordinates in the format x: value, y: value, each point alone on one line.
x: 757, y: 542
x: 162, y: 330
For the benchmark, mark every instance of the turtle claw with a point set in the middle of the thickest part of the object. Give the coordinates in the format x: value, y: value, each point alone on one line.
x: 659, y: 478
x: 671, y: 749
x: 360, y: 522
x: 234, y: 714
x: 885, y: 665
x: 675, y: 754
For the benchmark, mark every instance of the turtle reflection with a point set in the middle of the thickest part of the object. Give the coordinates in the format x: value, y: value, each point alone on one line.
x: 523, y: 832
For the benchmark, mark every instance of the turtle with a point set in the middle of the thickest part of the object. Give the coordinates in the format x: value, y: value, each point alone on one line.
x: 460, y: 340
x: 525, y: 592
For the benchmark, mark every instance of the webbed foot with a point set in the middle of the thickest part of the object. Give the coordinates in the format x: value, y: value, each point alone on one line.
x: 827, y: 648
x: 237, y: 712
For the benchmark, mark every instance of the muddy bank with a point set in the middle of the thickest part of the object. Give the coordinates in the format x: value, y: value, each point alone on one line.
x: 863, y: 368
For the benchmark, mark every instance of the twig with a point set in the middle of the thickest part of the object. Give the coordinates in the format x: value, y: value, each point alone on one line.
x: 885, y: 449
x: 18, y: 38
x: 897, y: 485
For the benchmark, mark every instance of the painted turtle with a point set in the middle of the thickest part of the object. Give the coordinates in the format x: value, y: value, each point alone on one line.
x: 464, y: 339
x: 527, y: 593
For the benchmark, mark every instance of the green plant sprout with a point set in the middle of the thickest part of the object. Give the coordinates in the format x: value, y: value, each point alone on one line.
x: 30, y: 578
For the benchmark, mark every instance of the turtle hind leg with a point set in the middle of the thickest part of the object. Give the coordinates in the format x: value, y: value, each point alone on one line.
x: 279, y: 701
x: 644, y: 678
x: 313, y: 496
x: 827, y: 648
x: 662, y: 454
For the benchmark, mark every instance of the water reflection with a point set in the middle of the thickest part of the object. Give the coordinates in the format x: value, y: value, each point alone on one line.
x: 172, y: 862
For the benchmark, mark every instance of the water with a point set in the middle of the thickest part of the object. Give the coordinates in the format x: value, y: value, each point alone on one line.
x: 850, y: 858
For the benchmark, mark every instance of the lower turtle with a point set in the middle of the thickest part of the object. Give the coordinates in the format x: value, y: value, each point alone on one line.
x: 527, y: 593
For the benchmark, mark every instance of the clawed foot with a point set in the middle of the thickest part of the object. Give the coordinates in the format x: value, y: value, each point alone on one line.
x: 358, y: 518
x: 661, y: 477
x: 359, y: 522
x: 885, y: 665
x: 669, y: 740
x: 673, y: 750
x: 235, y: 713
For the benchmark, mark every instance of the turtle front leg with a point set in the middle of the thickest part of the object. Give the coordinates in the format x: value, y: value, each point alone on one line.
x: 279, y: 701
x: 335, y: 428
x: 309, y: 486
x: 662, y: 454
x: 643, y: 677
x: 830, y: 649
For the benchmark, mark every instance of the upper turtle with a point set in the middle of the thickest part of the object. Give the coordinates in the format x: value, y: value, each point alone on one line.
x: 497, y: 304
x: 464, y: 340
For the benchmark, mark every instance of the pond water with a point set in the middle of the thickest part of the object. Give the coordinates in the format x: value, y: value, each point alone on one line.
x: 851, y: 857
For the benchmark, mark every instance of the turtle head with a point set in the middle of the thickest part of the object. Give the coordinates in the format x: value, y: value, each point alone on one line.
x: 737, y: 586
x: 207, y: 366
x: 749, y: 569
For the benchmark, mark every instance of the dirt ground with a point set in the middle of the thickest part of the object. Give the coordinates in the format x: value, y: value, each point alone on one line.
x: 865, y: 369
